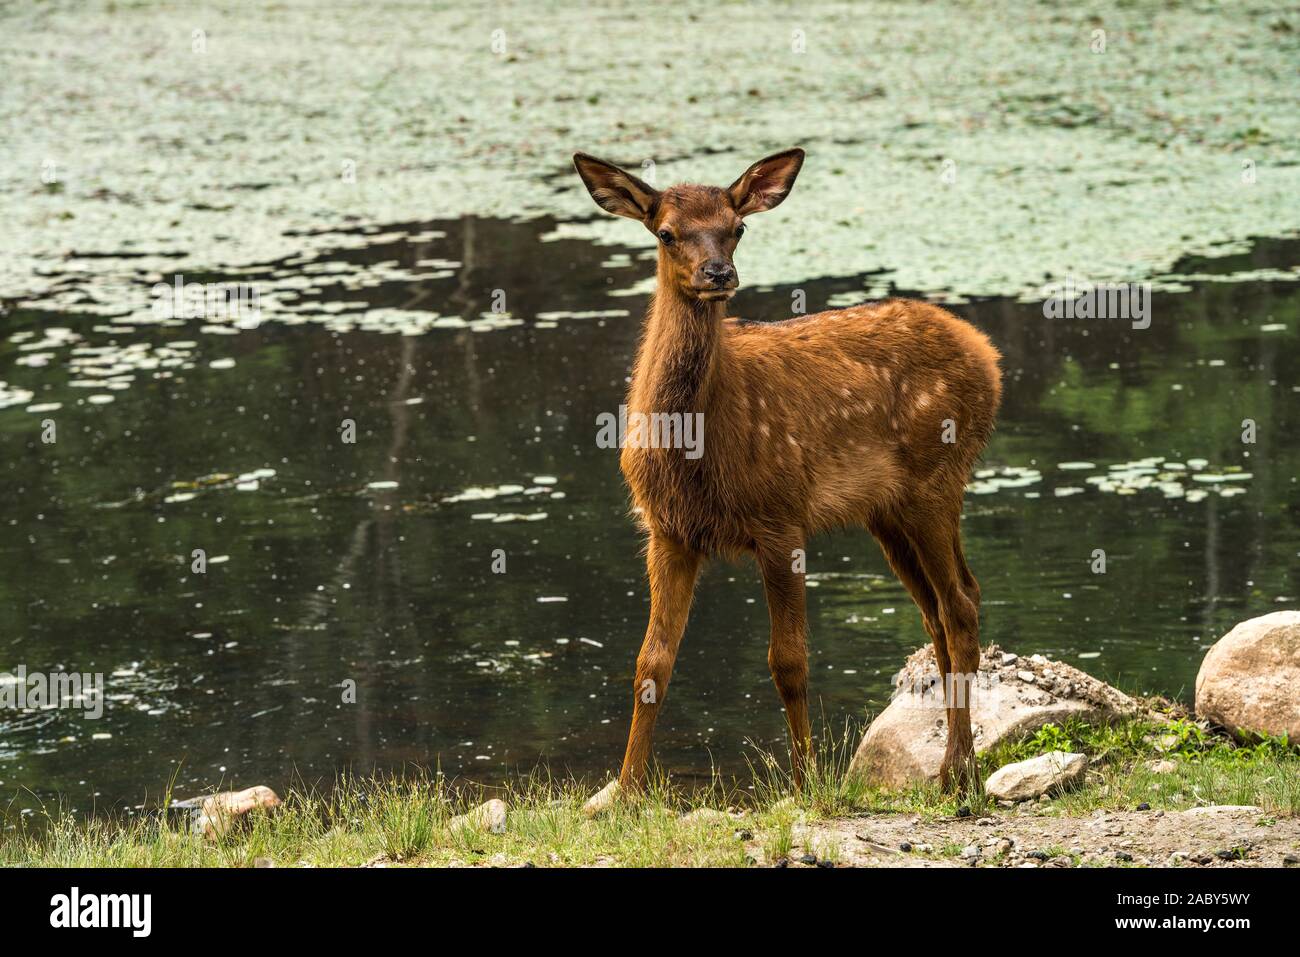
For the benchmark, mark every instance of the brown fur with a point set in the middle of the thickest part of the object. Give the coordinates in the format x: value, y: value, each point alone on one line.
x: 818, y: 422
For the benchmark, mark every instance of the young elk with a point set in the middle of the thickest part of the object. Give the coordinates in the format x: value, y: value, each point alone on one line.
x: 870, y: 416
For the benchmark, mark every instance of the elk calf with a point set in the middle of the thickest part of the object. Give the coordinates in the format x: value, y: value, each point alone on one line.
x: 870, y: 416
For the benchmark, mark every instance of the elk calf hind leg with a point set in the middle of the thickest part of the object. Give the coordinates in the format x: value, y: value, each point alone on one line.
x: 938, y: 550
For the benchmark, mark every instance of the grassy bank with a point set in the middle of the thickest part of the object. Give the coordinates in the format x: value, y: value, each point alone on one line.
x: 407, y: 821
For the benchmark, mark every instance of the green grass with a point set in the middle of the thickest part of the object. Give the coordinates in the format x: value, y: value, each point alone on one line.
x: 404, y: 821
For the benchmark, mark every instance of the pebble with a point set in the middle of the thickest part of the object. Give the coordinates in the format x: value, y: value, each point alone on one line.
x: 970, y: 852
x: 963, y: 811
x: 1291, y: 860
x: 1144, y: 806
x: 808, y: 859
x: 1123, y: 856
x: 905, y: 847
x: 743, y: 835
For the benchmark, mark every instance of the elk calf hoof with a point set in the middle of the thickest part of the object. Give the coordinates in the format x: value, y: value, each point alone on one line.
x: 603, y: 800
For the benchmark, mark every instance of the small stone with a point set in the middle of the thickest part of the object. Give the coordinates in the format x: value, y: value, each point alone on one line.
x: 1004, y: 846
x: 1008, y: 658
x: 219, y: 812
x: 905, y: 847
x: 783, y: 862
x: 1236, y: 854
x: 1291, y: 860
x: 1123, y: 856
x: 825, y: 863
x: 489, y: 816
x: 970, y: 851
x: 808, y: 859
x: 923, y: 848
x: 1144, y: 806
x: 1038, y: 855
x: 743, y: 835
x: 263, y: 862
x: 1164, y: 766
x: 1028, y: 677
x: 1041, y: 775
x: 963, y: 811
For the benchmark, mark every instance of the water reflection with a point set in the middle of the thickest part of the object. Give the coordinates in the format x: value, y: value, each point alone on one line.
x: 372, y: 561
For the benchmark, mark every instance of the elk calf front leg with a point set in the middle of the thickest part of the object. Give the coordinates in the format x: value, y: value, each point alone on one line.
x: 672, y: 570
x: 787, y: 654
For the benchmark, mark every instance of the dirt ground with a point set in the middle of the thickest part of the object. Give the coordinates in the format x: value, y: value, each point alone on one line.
x: 1201, y: 837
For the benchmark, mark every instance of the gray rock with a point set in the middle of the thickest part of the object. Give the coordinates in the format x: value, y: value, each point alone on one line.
x: 489, y: 816
x: 217, y: 814
x: 1045, y: 774
x: 905, y: 743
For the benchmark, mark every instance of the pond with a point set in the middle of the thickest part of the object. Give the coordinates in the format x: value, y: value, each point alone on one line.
x: 354, y: 611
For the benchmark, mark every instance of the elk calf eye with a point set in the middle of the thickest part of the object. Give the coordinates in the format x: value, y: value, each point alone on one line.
x: 740, y: 230
x: 665, y: 237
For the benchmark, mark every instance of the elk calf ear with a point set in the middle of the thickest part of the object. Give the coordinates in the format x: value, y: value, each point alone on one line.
x: 614, y: 190
x: 767, y: 183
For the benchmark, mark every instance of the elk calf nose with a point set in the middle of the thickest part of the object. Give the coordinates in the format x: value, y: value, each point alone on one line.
x: 719, y: 272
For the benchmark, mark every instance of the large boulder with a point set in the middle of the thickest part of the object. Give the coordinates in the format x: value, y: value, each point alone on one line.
x: 1048, y: 773
x: 1248, y: 680
x: 1012, y: 697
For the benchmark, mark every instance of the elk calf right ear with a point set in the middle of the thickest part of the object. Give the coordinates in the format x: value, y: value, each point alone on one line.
x: 767, y: 183
x: 615, y: 190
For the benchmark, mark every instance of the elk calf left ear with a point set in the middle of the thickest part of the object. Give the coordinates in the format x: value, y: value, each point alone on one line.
x: 615, y: 190
x: 767, y: 183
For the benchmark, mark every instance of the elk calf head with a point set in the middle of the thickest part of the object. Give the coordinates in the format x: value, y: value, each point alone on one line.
x: 698, y: 227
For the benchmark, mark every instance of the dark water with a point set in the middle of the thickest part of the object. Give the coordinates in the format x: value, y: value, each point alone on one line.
x: 235, y: 675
